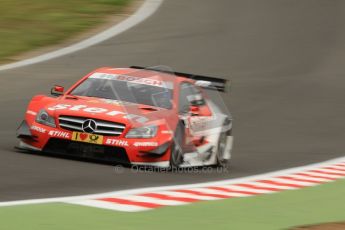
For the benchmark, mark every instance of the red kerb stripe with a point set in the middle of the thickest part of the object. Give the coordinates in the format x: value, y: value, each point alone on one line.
x: 233, y: 190
x: 299, y: 179
x: 259, y: 187
x: 202, y: 193
x: 280, y: 183
x: 330, y: 173
x: 167, y: 197
x: 315, y: 176
x: 336, y: 169
x: 129, y: 202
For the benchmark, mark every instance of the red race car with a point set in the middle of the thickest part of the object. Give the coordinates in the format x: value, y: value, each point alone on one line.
x: 136, y: 115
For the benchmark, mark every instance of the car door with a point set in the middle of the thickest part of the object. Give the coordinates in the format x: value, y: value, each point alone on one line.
x: 195, y: 113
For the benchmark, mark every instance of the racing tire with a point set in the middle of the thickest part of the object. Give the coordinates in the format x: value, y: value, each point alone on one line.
x: 221, y: 161
x: 176, y: 155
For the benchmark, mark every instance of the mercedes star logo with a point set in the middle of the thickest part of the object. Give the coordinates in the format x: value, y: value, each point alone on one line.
x: 89, y: 126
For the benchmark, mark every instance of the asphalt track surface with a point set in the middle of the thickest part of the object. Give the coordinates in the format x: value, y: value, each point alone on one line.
x: 286, y: 60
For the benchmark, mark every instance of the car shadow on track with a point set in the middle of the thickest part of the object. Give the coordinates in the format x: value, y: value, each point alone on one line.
x: 133, y: 168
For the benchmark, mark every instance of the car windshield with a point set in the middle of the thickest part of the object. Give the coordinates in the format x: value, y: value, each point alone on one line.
x: 140, y: 91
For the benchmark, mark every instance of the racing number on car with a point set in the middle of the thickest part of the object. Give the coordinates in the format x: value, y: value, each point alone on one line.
x: 86, y: 137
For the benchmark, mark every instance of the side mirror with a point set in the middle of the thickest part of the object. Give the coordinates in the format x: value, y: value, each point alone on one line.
x: 57, y: 90
x: 194, y: 110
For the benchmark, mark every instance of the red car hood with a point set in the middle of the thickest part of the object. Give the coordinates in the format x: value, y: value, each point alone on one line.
x: 104, y: 109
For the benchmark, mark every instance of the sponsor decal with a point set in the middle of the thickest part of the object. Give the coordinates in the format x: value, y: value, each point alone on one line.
x: 93, y: 110
x: 31, y: 112
x: 116, y: 102
x: 38, y: 129
x: 198, y: 125
x: 202, y: 122
x: 59, y: 134
x: 87, y: 137
x: 138, y: 80
x: 145, y: 144
x: 85, y: 109
x: 116, y: 142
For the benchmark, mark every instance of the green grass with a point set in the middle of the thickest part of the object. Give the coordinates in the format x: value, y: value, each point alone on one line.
x: 313, y: 205
x: 26, y: 25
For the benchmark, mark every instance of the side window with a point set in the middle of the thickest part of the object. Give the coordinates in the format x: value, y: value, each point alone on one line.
x: 189, y: 95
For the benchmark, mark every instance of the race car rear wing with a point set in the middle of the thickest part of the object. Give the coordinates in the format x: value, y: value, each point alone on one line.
x: 214, y: 83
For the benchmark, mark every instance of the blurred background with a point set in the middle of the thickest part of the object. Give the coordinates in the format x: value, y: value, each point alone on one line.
x: 284, y: 58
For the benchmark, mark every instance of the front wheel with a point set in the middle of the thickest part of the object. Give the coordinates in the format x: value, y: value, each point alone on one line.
x: 222, y: 142
x: 176, y: 155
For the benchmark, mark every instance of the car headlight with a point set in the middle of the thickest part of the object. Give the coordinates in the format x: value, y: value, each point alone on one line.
x: 142, y: 132
x: 45, y: 119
